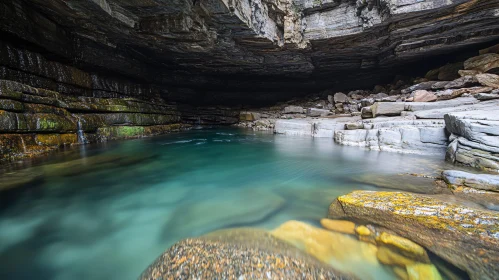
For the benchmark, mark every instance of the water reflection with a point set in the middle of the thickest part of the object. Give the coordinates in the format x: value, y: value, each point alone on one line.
x: 107, y: 211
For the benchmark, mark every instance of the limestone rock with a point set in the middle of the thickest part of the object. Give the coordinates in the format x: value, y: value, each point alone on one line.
x: 471, y: 235
x: 340, y: 97
x: 462, y: 82
x: 353, y: 126
x: 293, y: 110
x: 339, y: 226
x: 420, y: 86
x: 313, y: 112
x: 478, y: 181
x: 477, y: 141
x: 463, y: 73
x: 487, y: 96
x: 387, y: 108
x: 483, y: 63
x: 488, y: 80
x: 424, y: 96
x: 237, y: 254
x: 366, y: 113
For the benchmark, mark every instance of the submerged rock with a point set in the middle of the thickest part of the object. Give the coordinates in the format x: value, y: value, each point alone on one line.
x: 463, y: 236
x: 341, y: 251
x: 238, y: 254
x: 338, y: 226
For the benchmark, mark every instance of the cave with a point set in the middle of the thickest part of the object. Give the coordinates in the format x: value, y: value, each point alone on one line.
x: 242, y: 112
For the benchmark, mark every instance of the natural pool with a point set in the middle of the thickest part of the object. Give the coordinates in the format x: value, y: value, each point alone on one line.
x: 107, y: 211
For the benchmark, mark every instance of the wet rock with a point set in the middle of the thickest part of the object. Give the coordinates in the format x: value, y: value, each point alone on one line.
x: 487, y: 199
x: 237, y: 254
x: 424, y: 96
x: 293, y: 110
x: 338, y: 226
x: 403, y: 246
x: 423, y: 271
x: 471, y: 235
x: 250, y: 207
x: 21, y: 178
x: 483, y: 63
x: 486, y: 182
x: 488, y: 80
x: 462, y: 82
x: 400, y: 182
x: 331, y: 247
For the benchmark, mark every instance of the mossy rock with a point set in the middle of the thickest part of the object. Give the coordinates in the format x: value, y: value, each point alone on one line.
x: 465, y: 237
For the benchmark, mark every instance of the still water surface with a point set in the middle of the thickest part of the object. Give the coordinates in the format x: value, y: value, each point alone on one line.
x: 107, y: 211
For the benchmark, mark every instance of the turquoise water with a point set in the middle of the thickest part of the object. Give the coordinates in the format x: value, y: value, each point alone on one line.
x: 107, y: 211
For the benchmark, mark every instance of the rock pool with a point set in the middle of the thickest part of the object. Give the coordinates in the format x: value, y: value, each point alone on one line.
x: 107, y: 211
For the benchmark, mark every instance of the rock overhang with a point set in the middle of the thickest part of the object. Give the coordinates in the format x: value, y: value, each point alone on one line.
x: 273, y: 49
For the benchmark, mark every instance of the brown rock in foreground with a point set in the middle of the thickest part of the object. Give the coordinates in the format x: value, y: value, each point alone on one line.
x: 237, y: 254
x: 465, y: 237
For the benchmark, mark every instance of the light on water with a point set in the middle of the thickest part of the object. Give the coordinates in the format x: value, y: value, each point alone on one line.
x: 109, y: 214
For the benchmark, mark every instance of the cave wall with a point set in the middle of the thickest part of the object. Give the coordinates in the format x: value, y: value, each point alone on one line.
x: 110, y: 69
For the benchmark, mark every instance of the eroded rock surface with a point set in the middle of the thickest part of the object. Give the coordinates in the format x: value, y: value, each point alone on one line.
x: 238, y: 254
x: 475, y: 140
x: 464, y: 236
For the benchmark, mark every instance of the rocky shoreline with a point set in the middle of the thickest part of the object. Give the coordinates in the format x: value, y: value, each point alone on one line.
x: 454, y: 116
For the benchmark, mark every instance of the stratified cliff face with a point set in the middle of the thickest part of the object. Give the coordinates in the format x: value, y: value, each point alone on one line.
x: 88, y: 67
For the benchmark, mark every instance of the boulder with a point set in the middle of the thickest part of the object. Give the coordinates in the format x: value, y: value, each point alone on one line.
x: 462, y: 82
x: 424, y: 96
x: 237, y: 254
x: 488, y: 80
x: 314, y: 112
x: 484, y: 63
x: 340, y: 97
x: 293, y: 110
x: 486, y: 182
x: 464, y: 236
x: 387, y: 108
x: 366, y: 113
